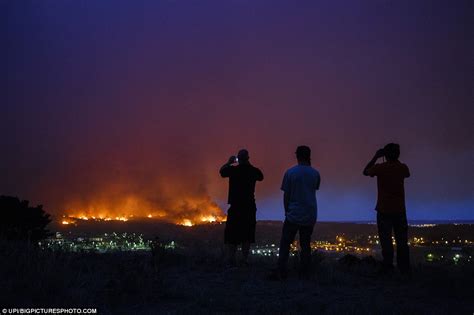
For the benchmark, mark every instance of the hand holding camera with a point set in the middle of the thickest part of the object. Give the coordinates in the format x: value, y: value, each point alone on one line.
x: 380, y: 153
x: 233, y: 159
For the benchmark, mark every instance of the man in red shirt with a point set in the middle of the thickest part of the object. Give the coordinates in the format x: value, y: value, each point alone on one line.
x: 391, y: 209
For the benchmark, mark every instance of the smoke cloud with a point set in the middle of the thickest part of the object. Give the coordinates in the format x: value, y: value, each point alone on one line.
x: 133, y: 108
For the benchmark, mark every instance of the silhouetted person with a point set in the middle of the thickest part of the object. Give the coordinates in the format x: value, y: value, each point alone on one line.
x: 241, y: 216
x: 391, y: 210
x: 299, y: 199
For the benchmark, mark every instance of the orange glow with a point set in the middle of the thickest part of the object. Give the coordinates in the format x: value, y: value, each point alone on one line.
x: 183, y: 211
x: 209, y: 218
x: 186, y: 222
x: 96, y: 218
x: 68, y: 219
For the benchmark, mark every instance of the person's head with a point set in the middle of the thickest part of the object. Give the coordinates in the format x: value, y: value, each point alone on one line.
x: 243, y: 156
x: 392, y: 151
x: 303, y: 154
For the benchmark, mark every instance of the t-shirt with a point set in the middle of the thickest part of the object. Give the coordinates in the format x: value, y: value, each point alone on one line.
x: 242, y: 180
x: 390, y: 186
x: 300, y: 183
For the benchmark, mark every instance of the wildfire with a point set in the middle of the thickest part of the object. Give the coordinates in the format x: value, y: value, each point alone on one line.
x: 201, y: 220
x: 186, y: 222
x: 70, y: 218
x: 183, y: 211
x: 209, y: 219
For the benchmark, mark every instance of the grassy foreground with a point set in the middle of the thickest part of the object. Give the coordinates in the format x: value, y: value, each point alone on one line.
x: 197, y: 281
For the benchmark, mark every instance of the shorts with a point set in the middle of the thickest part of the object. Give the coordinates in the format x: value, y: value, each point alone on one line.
x: 240, y: 225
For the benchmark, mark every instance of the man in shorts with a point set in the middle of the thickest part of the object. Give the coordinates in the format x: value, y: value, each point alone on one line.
x: 241, y: 216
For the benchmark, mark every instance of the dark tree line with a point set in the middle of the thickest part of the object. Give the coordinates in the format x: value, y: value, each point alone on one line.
x: 19, y: 221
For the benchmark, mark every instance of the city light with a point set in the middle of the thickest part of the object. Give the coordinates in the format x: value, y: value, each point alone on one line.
x: 441, y: 249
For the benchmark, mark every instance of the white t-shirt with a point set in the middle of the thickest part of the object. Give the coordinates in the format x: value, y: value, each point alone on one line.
x: 300, y: 183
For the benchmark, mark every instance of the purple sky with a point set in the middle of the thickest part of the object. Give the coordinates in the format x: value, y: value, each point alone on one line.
x: 106, y: 99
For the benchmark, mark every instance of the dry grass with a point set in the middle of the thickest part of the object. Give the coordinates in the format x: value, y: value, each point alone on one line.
x: 197, y: 281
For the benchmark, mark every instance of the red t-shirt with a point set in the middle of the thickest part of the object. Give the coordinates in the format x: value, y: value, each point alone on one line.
x: 390, y: 186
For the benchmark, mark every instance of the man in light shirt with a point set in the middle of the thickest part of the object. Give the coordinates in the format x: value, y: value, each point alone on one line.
x: 299, y: 186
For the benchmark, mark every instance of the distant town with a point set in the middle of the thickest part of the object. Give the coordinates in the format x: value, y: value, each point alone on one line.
x: 431, y: 243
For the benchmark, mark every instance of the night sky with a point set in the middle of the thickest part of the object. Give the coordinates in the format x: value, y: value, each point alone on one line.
x: 141, y: 102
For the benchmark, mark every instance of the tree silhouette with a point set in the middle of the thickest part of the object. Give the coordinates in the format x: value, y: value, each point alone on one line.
x: 19, y: 221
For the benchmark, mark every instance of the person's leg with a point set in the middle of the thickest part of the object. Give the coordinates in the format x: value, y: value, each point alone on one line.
x: 305, y: 243
x: 400, y: 228
x: 384, y: 225
x: 231, y: 250
x: 245, y: 251
x: 230, y: 236
x: 248, y: 236
x: 287, y: 237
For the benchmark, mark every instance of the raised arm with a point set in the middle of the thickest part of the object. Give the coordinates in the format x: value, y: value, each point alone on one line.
x: 225, y: 169
x: 371, y: 163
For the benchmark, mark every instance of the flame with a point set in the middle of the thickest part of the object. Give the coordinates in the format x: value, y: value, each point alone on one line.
x: 101, y: 217
x: 209, y: 218
x: 124, y: 218
x: 183, y: 211
x: 202, y: 219
x: 186, y: 222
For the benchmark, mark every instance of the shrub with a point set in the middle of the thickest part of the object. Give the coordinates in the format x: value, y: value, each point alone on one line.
x: 19, y: 221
